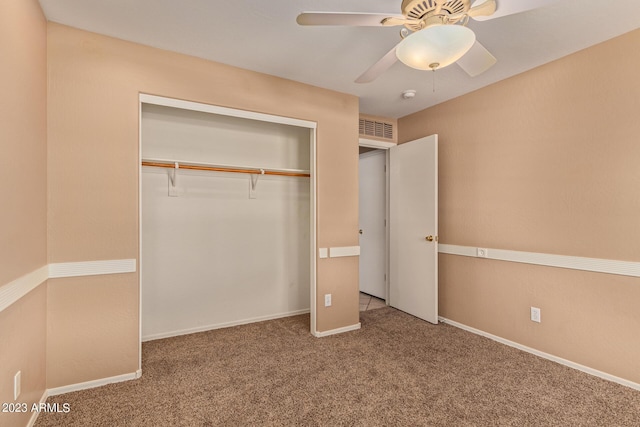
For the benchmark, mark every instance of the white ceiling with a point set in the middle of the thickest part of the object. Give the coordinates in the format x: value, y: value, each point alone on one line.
x: 262, y: 35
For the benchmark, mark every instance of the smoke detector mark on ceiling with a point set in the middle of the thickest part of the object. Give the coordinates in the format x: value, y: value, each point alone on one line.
x: 409, y: 94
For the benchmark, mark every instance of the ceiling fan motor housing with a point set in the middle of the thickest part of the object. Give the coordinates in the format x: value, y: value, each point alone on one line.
x: 422, y: 13
x: 417, y: 9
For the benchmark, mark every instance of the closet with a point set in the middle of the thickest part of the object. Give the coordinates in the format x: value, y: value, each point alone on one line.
x: 227, y: 218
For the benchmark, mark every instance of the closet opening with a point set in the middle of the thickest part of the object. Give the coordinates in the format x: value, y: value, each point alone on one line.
x: 227, y: 217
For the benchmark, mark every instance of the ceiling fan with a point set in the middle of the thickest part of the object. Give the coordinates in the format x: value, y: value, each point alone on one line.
x: 434, y: 32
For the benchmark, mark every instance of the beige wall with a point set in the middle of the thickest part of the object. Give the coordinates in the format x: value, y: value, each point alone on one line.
x: 23, y: 137
x: 23, y: 219
x: 546, y: 161
x: 94, y: 83
x: 22, y: 348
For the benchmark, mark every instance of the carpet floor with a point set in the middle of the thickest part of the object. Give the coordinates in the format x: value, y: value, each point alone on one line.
x: 395, y: 371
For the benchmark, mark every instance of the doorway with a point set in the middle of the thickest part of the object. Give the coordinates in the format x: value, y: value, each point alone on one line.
x: 372, y: 218
x: 410, y: 237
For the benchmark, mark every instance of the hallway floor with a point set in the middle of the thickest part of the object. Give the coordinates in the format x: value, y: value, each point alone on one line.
x: 369, y: 302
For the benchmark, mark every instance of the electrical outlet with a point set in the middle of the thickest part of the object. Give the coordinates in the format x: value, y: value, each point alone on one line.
x: 535, y: 314
x: 482, y: 252
x: 17, y: 385
x: 327, y: 300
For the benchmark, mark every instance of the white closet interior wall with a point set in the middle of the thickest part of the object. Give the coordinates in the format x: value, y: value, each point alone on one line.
x: 213, y: 257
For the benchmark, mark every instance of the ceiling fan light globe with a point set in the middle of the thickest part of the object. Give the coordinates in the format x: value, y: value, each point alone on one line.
x: 437, y: 44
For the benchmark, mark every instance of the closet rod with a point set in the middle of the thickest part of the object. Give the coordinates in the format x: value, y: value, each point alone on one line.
x: 222, y: 169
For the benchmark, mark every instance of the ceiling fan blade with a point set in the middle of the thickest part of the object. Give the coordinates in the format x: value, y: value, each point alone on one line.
x: 345, y: 18
x: 379, y: 67
x: 483, y: 9
x: 508, y: 7
x: 477, y: 60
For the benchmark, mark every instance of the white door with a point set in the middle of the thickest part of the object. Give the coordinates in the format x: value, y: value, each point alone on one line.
x: 413, y: 228
x: 372, y: 200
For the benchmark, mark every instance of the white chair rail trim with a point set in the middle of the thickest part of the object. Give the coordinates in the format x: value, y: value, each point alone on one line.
x: 92, y: 268
x: 598, y: 265
x: 13, y: 291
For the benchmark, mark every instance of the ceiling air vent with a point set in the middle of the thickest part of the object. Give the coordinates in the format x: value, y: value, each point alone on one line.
x: 377, y: 129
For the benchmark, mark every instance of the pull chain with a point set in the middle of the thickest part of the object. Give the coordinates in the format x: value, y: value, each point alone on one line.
x: 433, y: 79
x: 433, y: 67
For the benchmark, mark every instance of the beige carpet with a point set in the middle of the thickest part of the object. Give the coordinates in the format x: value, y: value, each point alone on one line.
x: 395, y: 371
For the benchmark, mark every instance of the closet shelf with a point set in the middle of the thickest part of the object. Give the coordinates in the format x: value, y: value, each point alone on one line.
x: 176, y: 164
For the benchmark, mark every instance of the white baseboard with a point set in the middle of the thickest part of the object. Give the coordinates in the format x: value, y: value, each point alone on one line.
x: 95, y: 383
x: 338, y: 330
x: 222, y: 325
x: 544, y: 355
x: 82, y: 386
x: 34, y: 414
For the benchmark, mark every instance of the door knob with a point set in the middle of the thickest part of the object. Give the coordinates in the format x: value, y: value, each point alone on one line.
x: 431, y: 238
x: 360, y: 231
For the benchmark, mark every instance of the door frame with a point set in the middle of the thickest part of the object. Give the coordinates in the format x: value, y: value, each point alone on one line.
x: 383, y: 145
x: 382, y: 155
x: 144, y: 98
